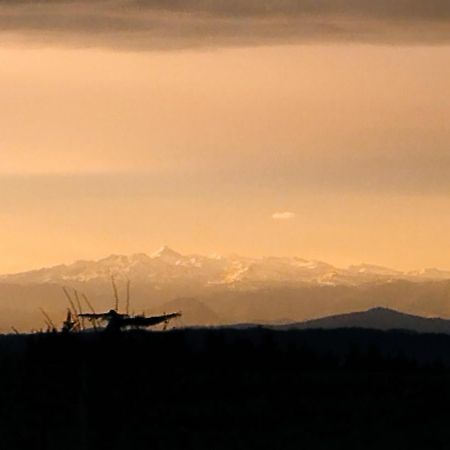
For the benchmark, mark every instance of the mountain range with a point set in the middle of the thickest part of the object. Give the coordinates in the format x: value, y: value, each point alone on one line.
x: 214, y: 290
x: 168, y: 266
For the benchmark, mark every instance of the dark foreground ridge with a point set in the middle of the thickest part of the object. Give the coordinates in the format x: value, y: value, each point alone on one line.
x: 225, y: 389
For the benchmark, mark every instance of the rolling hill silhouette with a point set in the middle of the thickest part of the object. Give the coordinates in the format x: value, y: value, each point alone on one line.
x: 378, y: 319
x: 195, y: 313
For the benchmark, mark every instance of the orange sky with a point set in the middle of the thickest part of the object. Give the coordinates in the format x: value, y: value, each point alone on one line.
x: 106, y: 151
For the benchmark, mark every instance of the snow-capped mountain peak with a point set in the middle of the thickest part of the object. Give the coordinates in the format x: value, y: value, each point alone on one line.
x: 167, y: 266
x: 373, y: 269
x: 165, y: 253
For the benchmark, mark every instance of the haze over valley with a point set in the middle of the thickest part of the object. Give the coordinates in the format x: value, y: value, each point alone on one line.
x: 218, y: 290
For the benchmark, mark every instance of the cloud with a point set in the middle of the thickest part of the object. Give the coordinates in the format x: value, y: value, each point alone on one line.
x: 159, y: 24
x: 285, y: 215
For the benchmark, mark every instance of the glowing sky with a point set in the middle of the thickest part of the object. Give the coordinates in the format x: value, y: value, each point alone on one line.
x: 112, y: 143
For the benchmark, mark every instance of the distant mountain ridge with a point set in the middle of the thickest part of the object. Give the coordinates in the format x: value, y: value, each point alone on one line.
x: 378, y: 319
x: 168, y: 266
x: 222, y: 290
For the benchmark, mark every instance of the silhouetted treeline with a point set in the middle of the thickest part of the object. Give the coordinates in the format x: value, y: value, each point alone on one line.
x: 225, y: 389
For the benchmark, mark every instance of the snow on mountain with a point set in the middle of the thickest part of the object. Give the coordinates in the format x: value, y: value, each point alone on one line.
x: 430, y: 274
x: 374, y: 270
x: 167, y: 255
x: 167, y: 266
x: 276, y: 269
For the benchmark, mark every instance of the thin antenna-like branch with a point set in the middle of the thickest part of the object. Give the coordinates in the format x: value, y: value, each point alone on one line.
x: 116, y: 294
x: 66, y: 293
x: 128, y: 296
x: 72, y: 306
x: 80, y: 309
x: 69, y: 298
x: 88, y: 303
x: 48, y: 319
x: 74, y: 310
x: 77, y: 299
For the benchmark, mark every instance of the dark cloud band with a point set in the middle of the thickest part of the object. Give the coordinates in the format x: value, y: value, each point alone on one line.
x: 186, y: 23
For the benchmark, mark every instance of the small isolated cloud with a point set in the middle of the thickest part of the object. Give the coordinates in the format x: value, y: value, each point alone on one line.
x: 285, y: 215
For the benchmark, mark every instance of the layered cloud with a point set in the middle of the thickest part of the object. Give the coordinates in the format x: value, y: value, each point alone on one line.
x: 157, y: 24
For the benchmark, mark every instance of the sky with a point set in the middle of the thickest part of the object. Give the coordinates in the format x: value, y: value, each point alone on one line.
x: 316, y: 129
